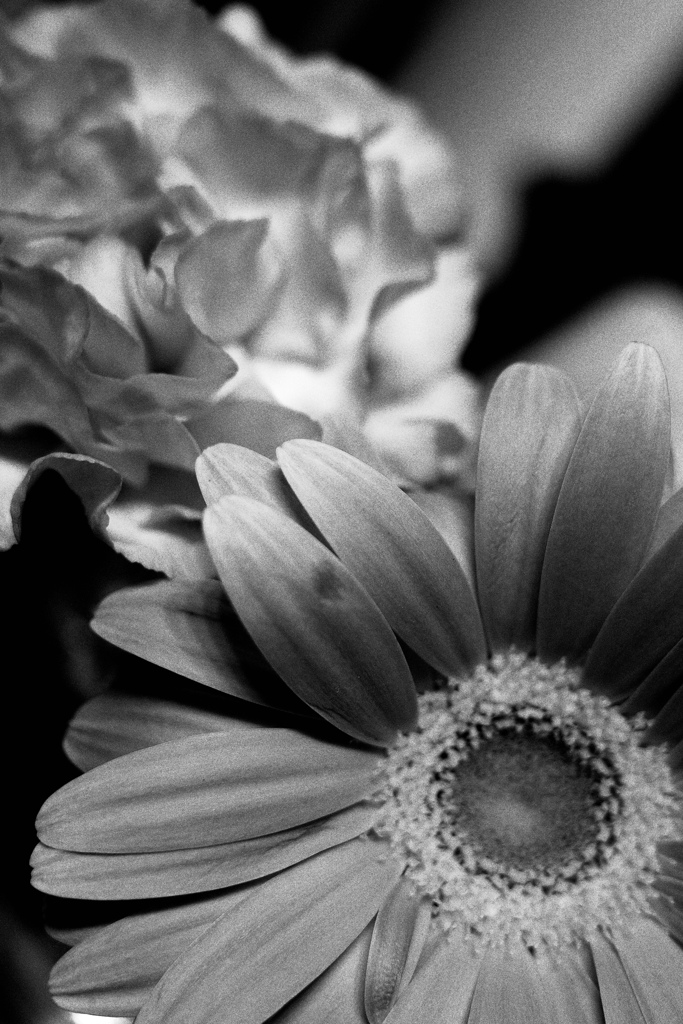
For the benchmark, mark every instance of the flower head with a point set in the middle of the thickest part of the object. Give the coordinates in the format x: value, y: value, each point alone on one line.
x: 491, y: 817
x: 297, y: 213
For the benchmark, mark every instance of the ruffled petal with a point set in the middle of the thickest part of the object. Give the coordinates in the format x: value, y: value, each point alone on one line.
x: 607, y: 506
x: 619, y: 1002
x: 531, y: 424
x: 114, y: 724
x: 337, y: 994
x: 97, y: 876
x: 397, y: 940
x: 190, y: 629
x: 13, y: 467
x: 392, y: 549
x: 227, y: 278
x: 206, y: 790
x: 163, y: 539
x: 441, y: 989
x: 643, y: 627
x: 314, y: 622
x: 114, y: 969
x: 278, y: 940
x: 96, y: 485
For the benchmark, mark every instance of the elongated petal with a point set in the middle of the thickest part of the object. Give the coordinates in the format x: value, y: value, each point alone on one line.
x: 278, y: 940
x: 441, y: 990
x: 570, y: 990
x: 115, y: 970
x: 114, y: 724
x: 176, y: 872
x: 531, y: 424
x: 658, y: 686
x: 190, y: 629
x: 337, y: 995
x: 314, y: 622
x: 205, y: 790
x: 619, y: 1003
x: 392, y: 549
x: 397, y: 940
x: 669, y: 913
x: 607, y: 506
x: 668, y: 724
x: 510, y: 988
x: 643, y: 627
x: 669, y: 519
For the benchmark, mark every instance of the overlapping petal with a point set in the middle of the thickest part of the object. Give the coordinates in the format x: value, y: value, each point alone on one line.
x: 112, y: 970
x: 196, y: 870
x: 392, y: 549
x: 315, y: 623
x: 190, y: 629
x: 205, y: 790
x: 607, y: 506
x: 223, y: 971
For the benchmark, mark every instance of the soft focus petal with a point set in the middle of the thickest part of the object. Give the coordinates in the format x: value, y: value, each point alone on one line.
x: 113, y: 724
x: 530, y: 427
x: 430, y: 437
x: 230, y: 304
x: 392, y: 549
x: 607, y: 506
x: 165, y: 539
x: 313, y: 621
x: 255, y: 424
x: 653, y: 964
x: 619, y: 1002
x: 204, y: 790
x: 191, y: 630
x: 587, y: 346
x: 223, y: 972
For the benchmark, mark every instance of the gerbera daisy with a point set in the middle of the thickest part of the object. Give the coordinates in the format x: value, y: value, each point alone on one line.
x: 491, y: 834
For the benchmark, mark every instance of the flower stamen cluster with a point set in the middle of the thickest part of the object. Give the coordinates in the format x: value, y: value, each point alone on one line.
x: 526, y: 808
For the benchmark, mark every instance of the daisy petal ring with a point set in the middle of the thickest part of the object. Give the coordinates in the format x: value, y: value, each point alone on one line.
x: 466, y: 808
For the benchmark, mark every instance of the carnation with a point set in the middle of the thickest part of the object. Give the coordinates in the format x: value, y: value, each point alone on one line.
x: 297, y: 213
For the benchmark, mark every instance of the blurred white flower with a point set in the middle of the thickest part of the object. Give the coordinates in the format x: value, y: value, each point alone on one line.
x: 301, y: 215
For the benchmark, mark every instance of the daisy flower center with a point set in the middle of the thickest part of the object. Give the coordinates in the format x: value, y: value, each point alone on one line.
x: 527, y: 808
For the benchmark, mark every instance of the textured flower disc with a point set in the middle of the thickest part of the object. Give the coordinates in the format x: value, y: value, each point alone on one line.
x: 526, y: 808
